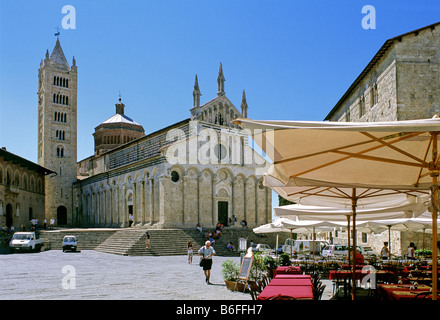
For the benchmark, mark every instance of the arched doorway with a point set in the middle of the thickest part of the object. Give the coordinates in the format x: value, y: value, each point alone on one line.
x: 9, y: 216
x: 62, y: 215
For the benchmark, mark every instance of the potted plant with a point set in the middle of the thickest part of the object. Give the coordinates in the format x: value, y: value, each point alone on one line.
x: 271, y: 265
x: 284, y: 259
x: 230, y: 272
x: 423, y: 253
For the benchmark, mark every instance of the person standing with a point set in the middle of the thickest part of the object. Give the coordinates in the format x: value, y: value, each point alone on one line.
x: 147, y: 241
x: 385, y: 252
x: 189, y: 248
x: 52, y: 223
x: 411, y: 251
x: 206, y: 252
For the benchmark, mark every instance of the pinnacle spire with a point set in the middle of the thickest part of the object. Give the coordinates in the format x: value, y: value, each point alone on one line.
x: 221, y: 81
x: 58, y: 56
x: 196, y: 94
x: 244, y: 106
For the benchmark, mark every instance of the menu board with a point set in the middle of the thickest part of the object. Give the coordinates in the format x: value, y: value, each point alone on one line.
x: 245, y: 268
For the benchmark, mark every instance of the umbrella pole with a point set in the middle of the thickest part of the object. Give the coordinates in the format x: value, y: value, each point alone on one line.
x: 434, y: 194
x: 353, y: 207
x: 389, y: 241
x: 348, y: 240
x: 291, y: 244
x: 313, y: 239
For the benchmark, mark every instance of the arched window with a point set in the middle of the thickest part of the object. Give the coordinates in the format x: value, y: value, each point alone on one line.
x: 67, y: 101
x: 54, y: 98
x: 67, y: 83
x: 17, y: 180
x: 56, y: 135
x: 54, y: 80
x: 60, y: 152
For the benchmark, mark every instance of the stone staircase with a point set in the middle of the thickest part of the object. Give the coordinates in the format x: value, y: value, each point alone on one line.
x: 88, y: 239
x: 131, y: 241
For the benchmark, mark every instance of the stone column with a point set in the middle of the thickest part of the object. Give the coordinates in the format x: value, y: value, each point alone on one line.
x: 152, y: 204
x: 142, y: 214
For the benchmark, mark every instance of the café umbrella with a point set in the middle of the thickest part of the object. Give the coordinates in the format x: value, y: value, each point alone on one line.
x: 391, y: 155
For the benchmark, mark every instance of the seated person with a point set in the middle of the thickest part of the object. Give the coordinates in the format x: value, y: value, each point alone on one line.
x: 217, y: 234
x: 359, y: 258
x: 230, y: 246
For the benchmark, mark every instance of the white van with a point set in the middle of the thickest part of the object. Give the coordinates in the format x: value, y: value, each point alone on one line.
x: 304, y: 246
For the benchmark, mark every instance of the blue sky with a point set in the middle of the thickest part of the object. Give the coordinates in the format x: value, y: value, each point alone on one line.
x: 295, y: 59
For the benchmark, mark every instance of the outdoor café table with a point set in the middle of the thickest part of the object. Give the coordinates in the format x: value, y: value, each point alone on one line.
x: 359, y: 275
x: 293, y: 276
x: 420, y: 280
x: 401, y: 291
x: 290, y: 282
x: 287, y: 269
x: 297, y: 292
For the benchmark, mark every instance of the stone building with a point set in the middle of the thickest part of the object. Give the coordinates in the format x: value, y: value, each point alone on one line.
x: 22, y: 185
x: 198, y: 170
x: 401, y: 82
x: 57, y: 131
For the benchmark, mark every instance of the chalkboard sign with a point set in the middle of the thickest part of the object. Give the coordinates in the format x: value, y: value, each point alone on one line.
x: 245, y: 268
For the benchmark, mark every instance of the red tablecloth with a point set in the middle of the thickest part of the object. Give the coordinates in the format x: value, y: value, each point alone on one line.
x: 401, y: 291
x: 290, y: 282
x: 289, y: 270
x: 297, y: 292
x: 293, y: 276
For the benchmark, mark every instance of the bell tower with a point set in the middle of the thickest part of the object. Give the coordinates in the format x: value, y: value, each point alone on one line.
x: 57, y: 132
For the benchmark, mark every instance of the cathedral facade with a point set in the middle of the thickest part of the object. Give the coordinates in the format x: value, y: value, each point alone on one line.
x: 200, y: 170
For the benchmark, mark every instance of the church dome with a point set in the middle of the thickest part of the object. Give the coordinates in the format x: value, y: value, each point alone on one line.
x: 117, y: 130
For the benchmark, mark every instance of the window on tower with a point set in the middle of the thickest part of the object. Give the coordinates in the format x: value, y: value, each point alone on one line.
x: 60, y: 152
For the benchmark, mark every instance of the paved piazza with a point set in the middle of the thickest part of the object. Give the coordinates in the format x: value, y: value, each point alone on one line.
x: 93, y: 275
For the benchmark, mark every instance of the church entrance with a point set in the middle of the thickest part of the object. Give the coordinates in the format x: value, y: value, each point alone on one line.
x: 9, y: 219
x: 222, y: 212
x: 62, y: 215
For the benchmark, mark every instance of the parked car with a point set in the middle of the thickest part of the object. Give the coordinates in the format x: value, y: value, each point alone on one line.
x: 69, y: 243
x: 261, y: 247
x: 280, y: 249
x: 339, y: 250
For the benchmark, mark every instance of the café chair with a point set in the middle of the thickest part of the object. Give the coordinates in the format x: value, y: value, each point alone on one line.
x: 254, y: 294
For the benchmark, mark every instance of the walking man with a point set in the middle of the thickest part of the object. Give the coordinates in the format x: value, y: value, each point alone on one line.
x: 206, y: 252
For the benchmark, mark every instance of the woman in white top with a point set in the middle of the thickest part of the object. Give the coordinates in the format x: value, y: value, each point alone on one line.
x: 411, y: 251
